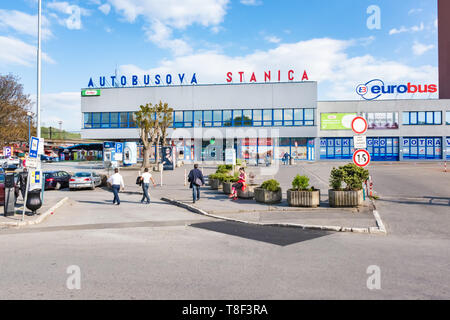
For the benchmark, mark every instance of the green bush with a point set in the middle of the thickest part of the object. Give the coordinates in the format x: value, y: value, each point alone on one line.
x: 238, y: 162
x: 300, y: 183
x: 230, y: 178
x: 352, y: 175
x: 271, y: 185
x: 225, y: 167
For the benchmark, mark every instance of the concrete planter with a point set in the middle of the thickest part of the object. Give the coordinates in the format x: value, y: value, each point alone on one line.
x: 215, y: 184
x: 266, y: 196
x: 308, y: 199
x: 345, y: 198
x: 249, y: 192
x: 227, y: 187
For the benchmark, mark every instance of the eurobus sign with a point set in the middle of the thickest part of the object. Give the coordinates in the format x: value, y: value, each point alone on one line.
x: 376, y: 88
x: 268, y: 76
x: 145, y: 80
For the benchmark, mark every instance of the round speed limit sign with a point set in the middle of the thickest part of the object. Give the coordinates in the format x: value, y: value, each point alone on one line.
x: 361, y: 158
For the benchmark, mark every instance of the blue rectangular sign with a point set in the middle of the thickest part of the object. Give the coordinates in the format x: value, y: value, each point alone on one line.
x: 34, y: 147
x: 119, y: 147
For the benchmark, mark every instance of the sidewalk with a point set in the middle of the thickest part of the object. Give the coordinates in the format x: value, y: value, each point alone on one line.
x: 49, y: 204
x: 216, y: 203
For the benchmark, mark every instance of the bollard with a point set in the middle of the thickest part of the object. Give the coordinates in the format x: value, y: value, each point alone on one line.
x: 185, y: 177
x: 161, y: 173
x: 445, y: 166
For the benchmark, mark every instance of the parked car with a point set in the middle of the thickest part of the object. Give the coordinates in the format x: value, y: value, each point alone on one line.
x: 56, y: 180
x: 82, y: 180
x: 45, y: 158
x: 9, y: 161
x: 2, y: 187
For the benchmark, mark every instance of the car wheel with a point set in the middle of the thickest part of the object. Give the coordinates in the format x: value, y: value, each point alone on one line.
x: 93, y: 186
x: 58, y: 186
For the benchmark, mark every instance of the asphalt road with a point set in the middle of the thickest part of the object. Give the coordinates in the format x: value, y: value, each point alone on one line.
x: 134, y: 251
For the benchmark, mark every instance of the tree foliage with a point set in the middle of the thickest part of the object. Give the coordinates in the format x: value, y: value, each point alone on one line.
x: 14, y: 105
x: 153, y: 122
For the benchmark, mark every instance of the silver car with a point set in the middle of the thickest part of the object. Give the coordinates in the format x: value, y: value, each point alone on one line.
x: 82, y: 180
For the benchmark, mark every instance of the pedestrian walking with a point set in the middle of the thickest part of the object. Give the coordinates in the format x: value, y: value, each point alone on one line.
x: 145, y: 178
x: 241, y: 184
x: 196, y: 180
x: 116, y: 181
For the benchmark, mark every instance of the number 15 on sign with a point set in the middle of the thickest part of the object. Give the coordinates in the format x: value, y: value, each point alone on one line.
x: 361, y: 158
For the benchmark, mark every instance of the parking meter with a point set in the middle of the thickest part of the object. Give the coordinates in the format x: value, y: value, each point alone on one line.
x: 10, y: 196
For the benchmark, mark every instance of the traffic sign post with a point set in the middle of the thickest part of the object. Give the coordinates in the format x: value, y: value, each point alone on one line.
x: 361, y: 158
x: 7, y: 152
x: 34, y: 147
x: 360, y: 142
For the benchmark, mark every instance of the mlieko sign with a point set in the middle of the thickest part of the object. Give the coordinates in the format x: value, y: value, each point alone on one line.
x: 90, y: 93
x: 144, y: 80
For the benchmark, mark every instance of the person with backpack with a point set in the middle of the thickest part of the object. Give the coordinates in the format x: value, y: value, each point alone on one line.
x: 196, y: 180
x: 144, y: 180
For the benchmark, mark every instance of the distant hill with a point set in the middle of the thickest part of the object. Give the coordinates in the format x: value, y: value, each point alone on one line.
x: 54, y: 133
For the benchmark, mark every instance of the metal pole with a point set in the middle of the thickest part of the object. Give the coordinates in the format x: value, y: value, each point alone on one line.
x: 38, y: 97
x: 26, y: 195
x: 162, y: 169
x: 29, y: 129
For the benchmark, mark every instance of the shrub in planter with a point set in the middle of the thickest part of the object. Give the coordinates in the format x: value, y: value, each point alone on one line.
x: 351, y: 195
x: 269, y: 192
x: 301, y: 195
x: 227, y: 183
x: 215, y: 180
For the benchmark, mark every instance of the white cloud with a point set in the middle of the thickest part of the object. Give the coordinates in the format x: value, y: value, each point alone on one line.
x: 420, y: 48
x: 162, y: 17
x: 414, y: 11
x: 62, y: 106
x: 74, y: 13
x: 272, y: 39
x: 17, y: 52
x: 403, y: 29
x: 105, y: 8
x: 251, y: 2
x: 326, y: 61
x: 23, y: 23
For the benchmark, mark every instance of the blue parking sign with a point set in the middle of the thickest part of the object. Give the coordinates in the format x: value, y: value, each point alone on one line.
x: 34, y: 147
x: 7, y: 152
x: 119, y: 147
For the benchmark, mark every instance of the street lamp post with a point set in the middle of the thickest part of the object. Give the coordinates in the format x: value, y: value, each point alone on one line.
x: 38, y: 97
x: 29, y: 114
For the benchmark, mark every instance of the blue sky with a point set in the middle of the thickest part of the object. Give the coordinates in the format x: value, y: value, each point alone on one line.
x: 328, y: 38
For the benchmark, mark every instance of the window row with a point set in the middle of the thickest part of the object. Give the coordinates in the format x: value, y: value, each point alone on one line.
x: 209, y: 118
x: 422, y: 118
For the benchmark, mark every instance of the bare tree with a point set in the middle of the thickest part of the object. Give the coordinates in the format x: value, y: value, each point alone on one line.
x: 148, y: 129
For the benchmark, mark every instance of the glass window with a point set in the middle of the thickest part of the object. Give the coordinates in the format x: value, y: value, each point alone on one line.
x: 114, y: 119
x: 237, y: 114
x: 429, y: 118
x: 437, y: 117
x: 124, y: 120
x: 178, y: 119
x: 207, y: 118
x: 257, y: 118
x: 278, y: 117
x: 406, y: 118
x: 298, y: 117
x: 132, y: 119
x: 288, y: 117
x: 267, y: 117
x: 247, y: 118
x: 188, y: 118
x: 198, y: 119
x: 105, y: 120
x: 96, y: 120
x: 309, y: 117
x: 413, y: 117
x: 88, y: 120
x: 421, y: 118
x: 217, y: 114
x: 227, y: 118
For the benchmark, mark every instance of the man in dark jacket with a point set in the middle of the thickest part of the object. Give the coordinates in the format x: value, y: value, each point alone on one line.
x: 196, y: 181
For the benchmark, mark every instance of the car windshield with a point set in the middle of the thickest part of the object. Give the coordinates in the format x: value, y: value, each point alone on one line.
x: 82, y: 174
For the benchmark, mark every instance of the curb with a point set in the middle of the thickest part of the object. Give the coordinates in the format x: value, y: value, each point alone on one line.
x: 371, y: 230
x: 38, y: 220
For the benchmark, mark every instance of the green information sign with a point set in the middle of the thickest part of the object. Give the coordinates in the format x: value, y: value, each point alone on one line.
x: 90, y: 93
x: 336, y: 121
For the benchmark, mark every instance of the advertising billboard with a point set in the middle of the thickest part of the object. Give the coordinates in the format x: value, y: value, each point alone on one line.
x: 336, y: 121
